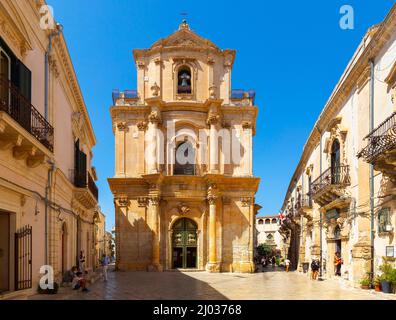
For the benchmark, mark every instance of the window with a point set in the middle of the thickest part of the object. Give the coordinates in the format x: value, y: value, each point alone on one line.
x: 383, y: 220
x: 270, y: 236
x: 274, y: 221
x: 260, y: 221
x: 335, y: 162
x: 80, y: 166
x: 185, y: 159
x: 184, y: 80
x: 267, y: 221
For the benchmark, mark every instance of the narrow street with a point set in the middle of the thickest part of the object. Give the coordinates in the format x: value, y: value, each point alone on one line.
x: 272, y: 284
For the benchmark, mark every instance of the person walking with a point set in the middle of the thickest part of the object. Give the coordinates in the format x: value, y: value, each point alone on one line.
x: 287, y: 264
x: 314, y: 269
x: 337, y: 264
x: 105, y: 265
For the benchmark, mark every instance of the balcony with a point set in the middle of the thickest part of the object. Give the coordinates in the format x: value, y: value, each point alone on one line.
x: 330, y: 186
x: 22, y: 127
x: 381, y: 147
x: 303, y: 207
x: 86, y: 190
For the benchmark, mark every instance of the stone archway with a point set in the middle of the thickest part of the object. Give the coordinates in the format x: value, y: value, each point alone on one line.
x: 184, y: 244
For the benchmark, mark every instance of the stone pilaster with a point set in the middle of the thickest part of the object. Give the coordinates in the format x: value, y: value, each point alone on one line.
x: 153, y: 211
x: 213, y: 265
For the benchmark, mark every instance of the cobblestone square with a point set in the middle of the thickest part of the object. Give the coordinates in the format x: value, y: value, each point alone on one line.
x: 271, y: 285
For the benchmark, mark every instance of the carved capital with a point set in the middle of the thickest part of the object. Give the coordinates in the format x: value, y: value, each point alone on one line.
x: 247, y: 125
x: 246, y: 201
x: 142, y: 202
x: 122, y: 201
x: 154, y: 201
x: 154, y: 117
x: 142, y: 125
x: 213, y: 119
x: 122, y: 126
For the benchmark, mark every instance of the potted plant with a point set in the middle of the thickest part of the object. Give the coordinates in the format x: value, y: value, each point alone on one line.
x: 365, y: 283
x: 386, y: 277
x: 377, y: 283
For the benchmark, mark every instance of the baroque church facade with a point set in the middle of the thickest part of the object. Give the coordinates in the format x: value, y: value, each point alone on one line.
x: 184, y: 190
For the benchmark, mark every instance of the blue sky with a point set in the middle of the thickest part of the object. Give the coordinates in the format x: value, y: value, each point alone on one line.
x: 291, y: 52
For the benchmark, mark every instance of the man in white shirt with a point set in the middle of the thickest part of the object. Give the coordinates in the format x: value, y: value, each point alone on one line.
x: 287, y: 264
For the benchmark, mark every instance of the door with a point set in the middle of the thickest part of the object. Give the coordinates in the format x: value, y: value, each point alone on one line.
x: 184, y: 242
x: 4, y: 251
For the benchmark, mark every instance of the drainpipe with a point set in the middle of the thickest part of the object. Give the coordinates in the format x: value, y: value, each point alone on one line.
x: 58, y: 30
x: 372, y: 173
x: 47, y: 197
x: 320, y: 211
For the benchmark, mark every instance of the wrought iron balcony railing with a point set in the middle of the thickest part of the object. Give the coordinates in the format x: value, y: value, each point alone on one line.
x: 92, y: 187
x: 84, y: 180
x: 380, y: 140
x: 23, y: 112
x: 303, y: 202
x: 333, y: 176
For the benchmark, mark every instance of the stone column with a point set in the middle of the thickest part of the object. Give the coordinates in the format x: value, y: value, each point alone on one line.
x: 153, y: 210
x: 213, y: 265
x: 247, y: 145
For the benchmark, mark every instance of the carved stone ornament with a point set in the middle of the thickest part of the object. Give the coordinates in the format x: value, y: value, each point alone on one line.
x: 155, y: 89
x: 142, y: 125
x: 121, y: 126
x: 183, y: 208
x: 154, y: 201
x: 246, y: 201
x: 246, y: 125
x: 142, y: 202
x: 122, y: 201
x: 212, y: 92
x: 213, y: 118
x: 154, y: 117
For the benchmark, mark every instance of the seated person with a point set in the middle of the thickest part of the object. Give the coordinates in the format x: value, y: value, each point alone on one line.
x: 79, y: 282
x: 69, y: 275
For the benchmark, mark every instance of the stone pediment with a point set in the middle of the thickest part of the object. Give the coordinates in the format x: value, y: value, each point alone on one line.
x: 184, y: 38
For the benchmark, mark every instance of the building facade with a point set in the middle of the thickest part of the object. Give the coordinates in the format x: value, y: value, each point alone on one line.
x: 180, y: 200
x: 267, y: 231
x: 341, y: 197
x: 48, y: 196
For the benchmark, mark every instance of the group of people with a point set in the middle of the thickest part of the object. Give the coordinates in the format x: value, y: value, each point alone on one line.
x: 315, y: 266
x: 78, y: 276
x: 265, y: 261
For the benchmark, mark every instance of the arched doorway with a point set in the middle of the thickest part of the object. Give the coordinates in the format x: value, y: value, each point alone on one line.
x: 335, y: 162
x: 184, y: 244
x: 64, y: 248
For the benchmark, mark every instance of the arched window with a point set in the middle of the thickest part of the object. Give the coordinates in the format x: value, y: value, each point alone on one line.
x: 260, y: 221
x: 274, y: 221
x: 335, y: 162
x: 185, y: 159
x: 267, y: 221
x: 184, y: 80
